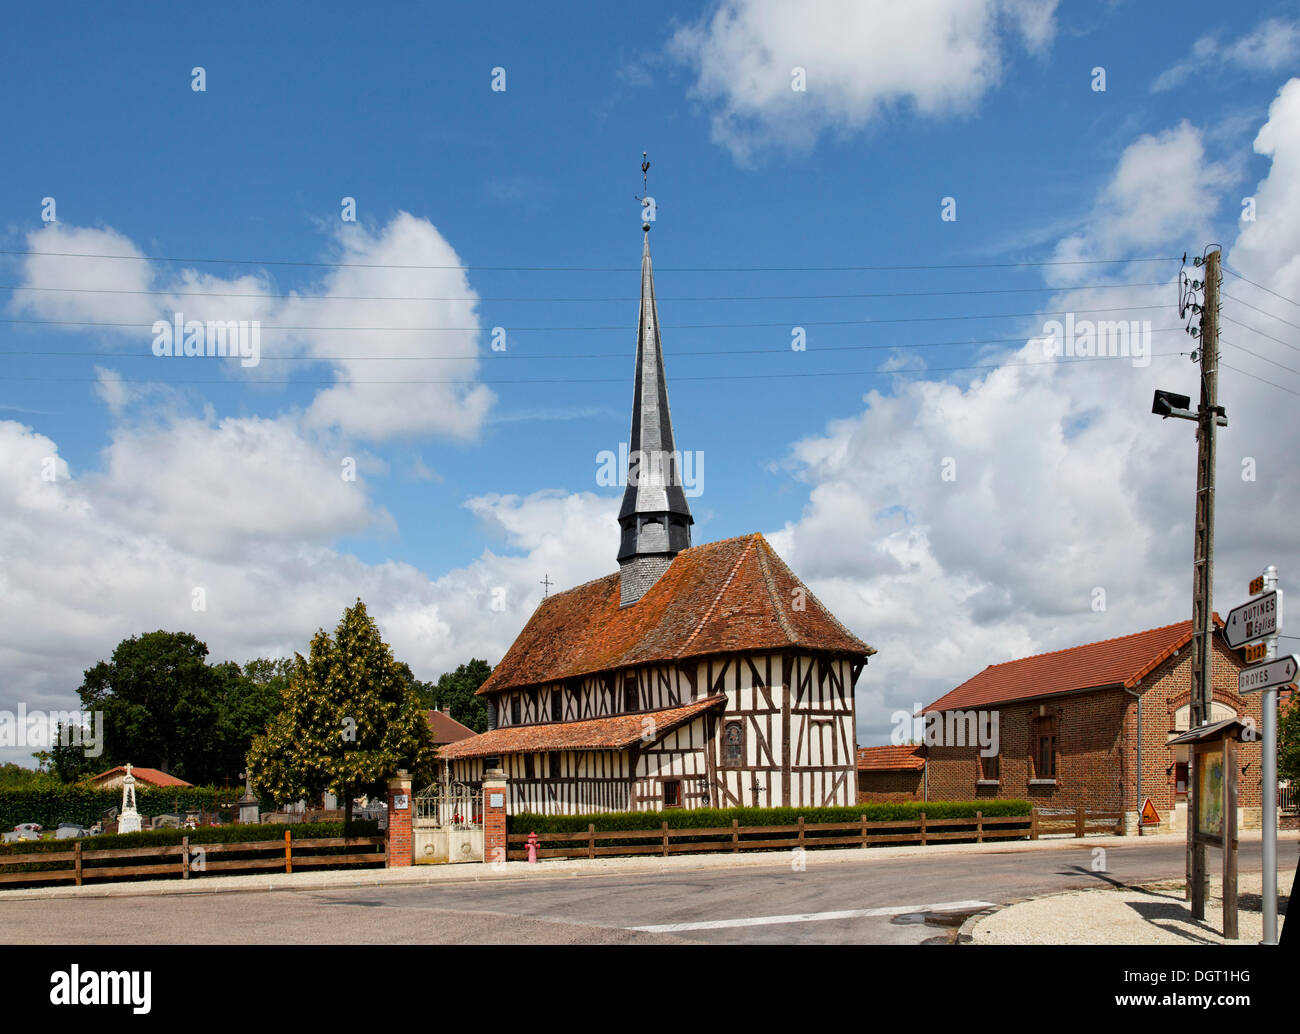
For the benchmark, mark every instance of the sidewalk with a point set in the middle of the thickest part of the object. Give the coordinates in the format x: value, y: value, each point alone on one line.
x: 1153, y: 914
x: 473, y: 872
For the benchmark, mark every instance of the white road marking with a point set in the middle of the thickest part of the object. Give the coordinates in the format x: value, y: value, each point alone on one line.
x: 815, y: 917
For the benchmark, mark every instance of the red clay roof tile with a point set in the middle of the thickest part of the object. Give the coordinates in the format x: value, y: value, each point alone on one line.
x: 613, y: 733
x: 723, y: 597
x: 1111, y: 662
x: 445, y: 728
x: 890, y: 758
x: 150, y: 776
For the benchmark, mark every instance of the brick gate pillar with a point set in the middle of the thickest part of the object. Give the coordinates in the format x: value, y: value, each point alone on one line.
x: 494, y: 816
x: 401, y: 847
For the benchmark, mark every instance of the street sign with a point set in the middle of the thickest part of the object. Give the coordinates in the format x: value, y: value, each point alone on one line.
x: 1281, y: 672
x: 1150, y: 817
x: 1256, y: 619
x: 1257, y: 585
x: 1255, y: 652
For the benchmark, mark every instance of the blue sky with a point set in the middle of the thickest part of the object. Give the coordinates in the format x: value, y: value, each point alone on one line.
x: 165, y: 486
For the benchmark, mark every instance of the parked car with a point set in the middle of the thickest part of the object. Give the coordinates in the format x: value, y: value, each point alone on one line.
x: 24, y: 831
x: 70, y: 831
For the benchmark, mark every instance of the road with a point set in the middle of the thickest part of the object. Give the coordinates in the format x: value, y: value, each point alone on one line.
x: 875, y: 902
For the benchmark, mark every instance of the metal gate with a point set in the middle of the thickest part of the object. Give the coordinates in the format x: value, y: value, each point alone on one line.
x: 448, y: 824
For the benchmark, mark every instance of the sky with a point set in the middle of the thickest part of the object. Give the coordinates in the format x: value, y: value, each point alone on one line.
x: 866, y: 216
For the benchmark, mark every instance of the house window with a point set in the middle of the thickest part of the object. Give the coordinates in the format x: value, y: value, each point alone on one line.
x: 555, y: 765
x: 530, y: 768
x: 516, y: 710
x: 630, y: 701
x: 557, y: 705
x: 733, y: 743
x: 991, y: 768
x: 1045, y: 748
x: 1180, y: 778
x: 672, y: 793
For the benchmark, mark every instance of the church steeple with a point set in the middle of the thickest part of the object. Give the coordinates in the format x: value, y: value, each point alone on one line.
x: 655, y: 519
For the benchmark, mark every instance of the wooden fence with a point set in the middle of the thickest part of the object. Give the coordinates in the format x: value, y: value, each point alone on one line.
x: 735, y: 838
x: 184, y: 860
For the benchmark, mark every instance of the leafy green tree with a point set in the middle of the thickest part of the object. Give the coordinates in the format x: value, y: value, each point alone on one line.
x: 248, y: 699
x: 350, y: 720
x: 159, y: 700
x: 166, y: 707
x: 15, y: 777
x: 455, y: 694
x: 1288, y: 741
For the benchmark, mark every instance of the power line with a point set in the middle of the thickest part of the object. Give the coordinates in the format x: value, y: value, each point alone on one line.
x: 588, y: 269
x: 620, y: 327
x: 622, y: 355
x: 1253, y: 377
x: 1265, y: 312
x: 1289, y: 301
x: 1263, y: 357
x: 1256, y: 330
x: 620, y: 298
x: 605, y: 380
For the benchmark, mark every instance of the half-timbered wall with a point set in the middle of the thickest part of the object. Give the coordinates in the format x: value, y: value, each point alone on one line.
x: 784, y: 738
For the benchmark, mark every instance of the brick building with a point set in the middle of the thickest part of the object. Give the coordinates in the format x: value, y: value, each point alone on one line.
x: 1073, y: 723
x: 891, y: 773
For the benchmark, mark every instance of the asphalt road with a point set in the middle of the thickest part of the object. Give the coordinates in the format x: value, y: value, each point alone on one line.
x: 876, y: 902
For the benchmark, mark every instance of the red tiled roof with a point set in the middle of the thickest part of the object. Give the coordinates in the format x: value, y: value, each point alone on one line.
x: 1111, y: 662
x: 891, y: 758
x: 152, y: 776
x: 613, y: 733
x: 722, y: 597
x: 445, y: 728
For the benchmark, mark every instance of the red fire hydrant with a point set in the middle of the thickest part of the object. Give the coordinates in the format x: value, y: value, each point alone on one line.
x: 532, y: 848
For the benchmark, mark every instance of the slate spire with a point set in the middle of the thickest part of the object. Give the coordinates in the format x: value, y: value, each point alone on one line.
x: 655, y: 520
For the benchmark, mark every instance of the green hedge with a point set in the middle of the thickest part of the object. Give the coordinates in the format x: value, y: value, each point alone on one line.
x: 202, y: 835
x: 73, y: 802
x: 698, y: 818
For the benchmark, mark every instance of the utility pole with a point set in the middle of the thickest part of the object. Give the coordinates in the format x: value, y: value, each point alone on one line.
x: 1209, y: 417
x: 1203, y: 579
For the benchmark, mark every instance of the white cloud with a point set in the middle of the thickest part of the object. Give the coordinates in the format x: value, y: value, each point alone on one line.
x: 248, y: 519
x: 861, y: 58
x: 1065, y: 483
x: 1269, y: 46
x: 400, y: 397
x: 1164, y: 191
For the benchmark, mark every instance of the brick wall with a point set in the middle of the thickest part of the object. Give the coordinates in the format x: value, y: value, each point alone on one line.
x: 890, y: 786
x: 1097, y: 745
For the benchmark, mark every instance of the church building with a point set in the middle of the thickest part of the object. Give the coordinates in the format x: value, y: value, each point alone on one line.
x: 693, y: 676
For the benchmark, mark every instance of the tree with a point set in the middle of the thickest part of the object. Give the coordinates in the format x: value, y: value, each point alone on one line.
x: 1288, y: 740
x: 455, y: 693
x: 166, y: 707
x: 350, y: 720
x: 158, y: 697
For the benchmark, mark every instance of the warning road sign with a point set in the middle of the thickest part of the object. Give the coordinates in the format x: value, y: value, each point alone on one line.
x: 1150, y: 817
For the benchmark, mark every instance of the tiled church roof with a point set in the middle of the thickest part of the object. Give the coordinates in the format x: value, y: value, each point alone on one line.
x: 613, y: 733
x: 1111, y: 662
x: 722, y: 597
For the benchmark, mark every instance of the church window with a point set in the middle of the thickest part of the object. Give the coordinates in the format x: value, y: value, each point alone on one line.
x: 672, y: 793
x: 555, y: 764
x: 516, y: 709
x: 557, y: 705
x: 733, y: 743
x: 630, y: 701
